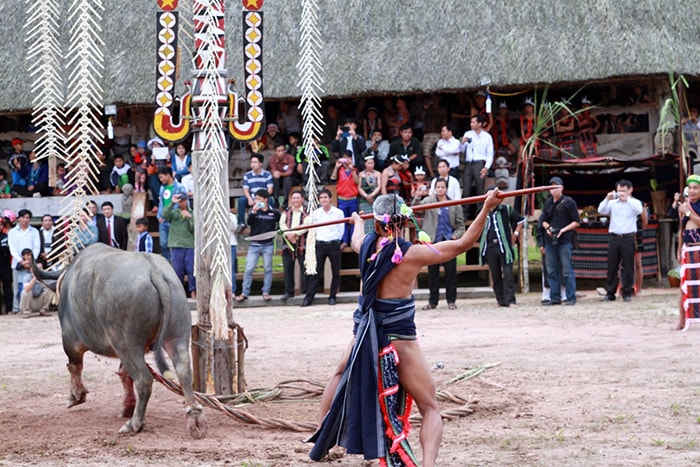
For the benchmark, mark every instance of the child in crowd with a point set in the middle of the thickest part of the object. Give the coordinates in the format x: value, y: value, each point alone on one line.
x: 61, y: 180
x: 120, y: 174
x: 144, y: 241
x: 420, y: 187
x: 5, y: 191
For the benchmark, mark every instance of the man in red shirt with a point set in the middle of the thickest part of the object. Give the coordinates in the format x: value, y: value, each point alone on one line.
x: 282, y: 167
x: 347, y: 191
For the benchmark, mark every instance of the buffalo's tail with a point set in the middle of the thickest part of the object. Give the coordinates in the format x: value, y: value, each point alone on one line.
x: 161, y: 285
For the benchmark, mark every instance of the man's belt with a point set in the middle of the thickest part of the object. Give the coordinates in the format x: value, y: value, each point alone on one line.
x: 630, y: 234
x: 328, y: 242
x: 478, y: 161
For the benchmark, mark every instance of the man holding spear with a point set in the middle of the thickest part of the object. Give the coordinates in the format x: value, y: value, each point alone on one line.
x: 367, y: 402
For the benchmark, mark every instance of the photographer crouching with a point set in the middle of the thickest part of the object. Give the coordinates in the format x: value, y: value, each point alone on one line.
x: 559, y: 220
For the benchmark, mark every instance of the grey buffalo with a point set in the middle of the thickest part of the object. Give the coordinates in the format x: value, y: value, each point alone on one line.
x: 123, y: 304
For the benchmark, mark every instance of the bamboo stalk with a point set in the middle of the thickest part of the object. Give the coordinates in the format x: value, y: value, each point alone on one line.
x: 439, y: 204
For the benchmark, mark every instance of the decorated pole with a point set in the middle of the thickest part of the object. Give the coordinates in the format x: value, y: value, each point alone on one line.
x: 439, y: 204
x: 208, y: 110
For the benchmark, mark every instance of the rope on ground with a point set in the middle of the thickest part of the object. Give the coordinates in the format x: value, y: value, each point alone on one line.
x: 246, y: 417
x: 472, y: 372
x: 302, y: 389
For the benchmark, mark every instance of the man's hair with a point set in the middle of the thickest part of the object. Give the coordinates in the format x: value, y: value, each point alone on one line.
x: 27, y: 251
x: 390, y: 205
x: 295, y: 192
x: 142, y: 221
x: 45, y: 216
x: 262, y: 192
x: 623, y: 183
x: 107, y: 203
x: 405, y: 126
x: 165, y: 170
x: 444, y: 161
x: 450, y: 127
x: 441, y: 180
x: 281, y: 144
x: 257, y: 156
x: 3, y: 172
x: 24, y: 212
x: 325, y: 191
x: 377, y: 130
x: 480, y: 118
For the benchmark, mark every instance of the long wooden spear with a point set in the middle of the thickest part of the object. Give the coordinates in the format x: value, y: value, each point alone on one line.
x: 420, y: 207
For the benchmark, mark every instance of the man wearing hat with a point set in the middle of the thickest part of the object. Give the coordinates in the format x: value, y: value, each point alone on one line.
x: 623, y: 210
x: 559, y: 220
x: 347, y: 139
x: 18, y: 149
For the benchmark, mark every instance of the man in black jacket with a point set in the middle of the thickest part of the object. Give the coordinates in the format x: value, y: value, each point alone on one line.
x: 559, y: 220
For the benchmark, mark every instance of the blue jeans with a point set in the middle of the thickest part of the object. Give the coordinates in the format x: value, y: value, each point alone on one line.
x: 242, y: 206
x: 163, y: 231
x: 254, y: 253
x: 234, y: 269
x: 560, y: 270
x: 183, y: 263
x: 348, y: 207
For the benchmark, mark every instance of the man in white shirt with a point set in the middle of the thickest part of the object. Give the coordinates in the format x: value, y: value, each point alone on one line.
x: 328, y: 240
x: 623, y: 210
x: 448, y: 148
x: 20, y: 237
x: 477, y: 146
x: 454, y: 191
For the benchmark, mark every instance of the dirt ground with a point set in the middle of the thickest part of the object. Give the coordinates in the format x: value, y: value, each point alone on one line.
x: 594, y: 384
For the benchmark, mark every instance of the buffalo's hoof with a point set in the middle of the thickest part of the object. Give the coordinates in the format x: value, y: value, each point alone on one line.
x: 196, y: 421
x: 74, y: 399
x: 130, y: 427
x: 197, y: 425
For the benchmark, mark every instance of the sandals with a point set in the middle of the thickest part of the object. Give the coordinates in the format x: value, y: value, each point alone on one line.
x: 241, y: 298
x: 429, y: 306
x: 267, y: 297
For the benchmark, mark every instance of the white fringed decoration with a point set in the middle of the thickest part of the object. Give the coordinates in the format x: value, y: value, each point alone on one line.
x: 84, y: 102
x: 310, y: 81
x: 211, y: 140
x: 44, y: 58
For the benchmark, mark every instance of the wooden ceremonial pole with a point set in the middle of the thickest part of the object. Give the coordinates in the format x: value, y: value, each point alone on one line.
x: 440, y: 204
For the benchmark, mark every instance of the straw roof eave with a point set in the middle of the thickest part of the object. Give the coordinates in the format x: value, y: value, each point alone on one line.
x: 400, y: 46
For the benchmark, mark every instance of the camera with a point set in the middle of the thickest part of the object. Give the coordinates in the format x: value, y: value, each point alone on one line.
x: 260, y: 204
x: 616, y: 195
x: 377, y: 141
x: 554, y: 232
x: 469, y: 141
x: 345, y: 128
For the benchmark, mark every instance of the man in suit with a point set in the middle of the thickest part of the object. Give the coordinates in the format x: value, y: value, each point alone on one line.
x: 111, y: 229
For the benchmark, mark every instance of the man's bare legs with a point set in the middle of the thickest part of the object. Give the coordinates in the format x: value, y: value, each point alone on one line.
x: 415, y: 377
x: 332, y: 385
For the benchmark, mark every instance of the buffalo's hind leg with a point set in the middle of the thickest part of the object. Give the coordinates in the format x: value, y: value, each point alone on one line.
x: 138, y: 371
x: 129, y: 398
x: 75, y: 368
x: 197, y: 424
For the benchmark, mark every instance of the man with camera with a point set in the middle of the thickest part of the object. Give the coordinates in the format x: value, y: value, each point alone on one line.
x: 347, y: 139
x: 377, y: 148
x: 261, y: 219
x: 559, y: 220
x: 408, y: 145
x: 477, y: 146
x: 623, y: 210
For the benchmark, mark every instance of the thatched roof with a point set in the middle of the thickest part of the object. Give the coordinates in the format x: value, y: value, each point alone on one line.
x: 401, y: 46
